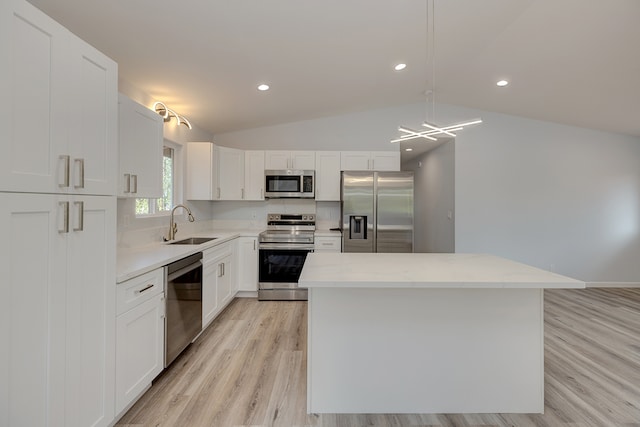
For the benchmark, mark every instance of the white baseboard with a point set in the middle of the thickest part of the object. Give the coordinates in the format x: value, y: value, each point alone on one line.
x: 613, y: 284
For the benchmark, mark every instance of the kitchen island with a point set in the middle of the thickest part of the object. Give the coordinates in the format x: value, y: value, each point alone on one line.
x: 425, y: 333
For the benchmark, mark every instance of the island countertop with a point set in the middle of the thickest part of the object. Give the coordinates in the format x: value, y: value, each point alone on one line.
x: 421, y: 270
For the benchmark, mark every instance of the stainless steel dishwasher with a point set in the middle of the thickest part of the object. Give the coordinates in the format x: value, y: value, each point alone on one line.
x: 183, y: 290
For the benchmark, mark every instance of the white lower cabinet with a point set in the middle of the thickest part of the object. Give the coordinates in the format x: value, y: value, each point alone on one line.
x: 139, y: 336
x: 217, y: 277
x: 57, y: 311
x: 248, y: 264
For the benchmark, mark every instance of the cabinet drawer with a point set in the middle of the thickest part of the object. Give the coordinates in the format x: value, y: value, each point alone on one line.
x: 216, y: 252
x: 327, y: 244
x: 139, y: 289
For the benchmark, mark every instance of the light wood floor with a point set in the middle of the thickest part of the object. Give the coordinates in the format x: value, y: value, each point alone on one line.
x: 249, y: 369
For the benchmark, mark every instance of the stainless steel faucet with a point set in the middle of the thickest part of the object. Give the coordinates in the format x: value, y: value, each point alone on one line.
x: 173, y: 227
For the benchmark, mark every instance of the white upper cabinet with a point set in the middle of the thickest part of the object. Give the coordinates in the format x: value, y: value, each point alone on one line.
x: 370, y: 160
x: 58, y: 129
x: 254, y: 175
x: 305, y: 160
x: 327, y: 175
x: 214, y: 173
x: 140, y: 154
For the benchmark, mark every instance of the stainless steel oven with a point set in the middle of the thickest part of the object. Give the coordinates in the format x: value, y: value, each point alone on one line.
x: 183, y: 320
x: 282, y: 251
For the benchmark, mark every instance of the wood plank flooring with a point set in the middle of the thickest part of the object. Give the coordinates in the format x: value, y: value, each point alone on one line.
x: 249, y: 369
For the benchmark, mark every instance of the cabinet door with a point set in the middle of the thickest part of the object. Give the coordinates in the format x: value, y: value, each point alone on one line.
x: 140, y: 156
x: 355, y: 161
x: 247, y: 266
x: 32, y: 310
x: 90, y: 331
x: 254, y: 175
x: 386, y: 160
x: 210, y: 304
x: 327, y: 176
x: 199, y: 171
x: 33, y: 122
x: 94, y: 125
x: 225, y: 273
x: 139, y: 349
x: 274, y: 159
x: 305, y: 160
x: 230, y: 165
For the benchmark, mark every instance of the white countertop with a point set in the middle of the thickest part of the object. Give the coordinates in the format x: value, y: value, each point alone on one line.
x: 419, y: 270
x: 327, y: 233
x: 132, y: 262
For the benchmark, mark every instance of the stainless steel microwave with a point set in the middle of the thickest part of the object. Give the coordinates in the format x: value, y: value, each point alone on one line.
x: 289, y: 183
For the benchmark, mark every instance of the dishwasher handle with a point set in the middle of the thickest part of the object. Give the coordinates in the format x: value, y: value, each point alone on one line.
x: 184, y: 270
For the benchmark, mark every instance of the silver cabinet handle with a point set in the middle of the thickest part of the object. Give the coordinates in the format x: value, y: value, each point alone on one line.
x: 242, y: 193
x: 262, y: 193
x: 254, y: 244
x: 80, y: 206
x: 146, y: 288
x: 220, y: 269
x: 80, y: 163
x: 218, y: 192
x: 67, y: 165
x: 127, y: 181
x: 65, y: 218
x: 135, y: 183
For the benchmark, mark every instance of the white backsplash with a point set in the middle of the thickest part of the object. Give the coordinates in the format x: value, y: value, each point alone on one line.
x: 217, y: 216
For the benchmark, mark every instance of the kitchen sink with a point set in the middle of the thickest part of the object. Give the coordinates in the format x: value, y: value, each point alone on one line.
x: 193, y: 241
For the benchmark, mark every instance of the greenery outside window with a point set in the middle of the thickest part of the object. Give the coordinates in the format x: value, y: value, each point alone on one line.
x: 164, y: 204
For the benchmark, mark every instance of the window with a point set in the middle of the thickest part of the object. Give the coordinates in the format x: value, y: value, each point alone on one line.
x: 165, y: 203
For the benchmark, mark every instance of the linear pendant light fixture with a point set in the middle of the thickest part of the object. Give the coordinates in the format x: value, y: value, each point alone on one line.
x: 432, y: 131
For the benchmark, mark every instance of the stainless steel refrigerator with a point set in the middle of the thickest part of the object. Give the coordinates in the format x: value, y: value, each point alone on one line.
x: 377, y: 211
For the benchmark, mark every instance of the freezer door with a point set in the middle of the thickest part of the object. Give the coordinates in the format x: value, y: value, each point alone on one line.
x: 357, y: 212
x: 394, y: 212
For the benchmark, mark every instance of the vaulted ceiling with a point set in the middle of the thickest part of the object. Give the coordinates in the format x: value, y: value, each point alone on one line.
x: 568, y: 61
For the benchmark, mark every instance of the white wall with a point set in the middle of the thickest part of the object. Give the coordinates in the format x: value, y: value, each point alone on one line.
x: 553, y: 196
x: 434, y: 190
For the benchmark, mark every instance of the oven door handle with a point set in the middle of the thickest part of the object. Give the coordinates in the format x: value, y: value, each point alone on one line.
x: 286, y: 246
x: 184, y: 270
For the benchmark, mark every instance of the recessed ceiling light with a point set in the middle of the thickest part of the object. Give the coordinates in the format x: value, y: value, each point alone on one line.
x: 400, y: 67
x: 263, y: 87
x: 408, y: 149
x: 502, y: 83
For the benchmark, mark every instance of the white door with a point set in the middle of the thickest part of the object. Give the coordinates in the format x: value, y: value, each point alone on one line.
x: 201, y: 184
x: 254, y: 175
x: 32, y: 310
x: 33, y: 123
x: 230, y: 173
x: 304, y: 160
x: 210, y: 304
x: 327, y: 176
x: 93, y: 123
x: 247, y: 264
x: 90, y: 361
x: 386, y: 161
x: 140, y: 349
x: 355, y: 161
x: 278, y: 160
x: 140, y: 156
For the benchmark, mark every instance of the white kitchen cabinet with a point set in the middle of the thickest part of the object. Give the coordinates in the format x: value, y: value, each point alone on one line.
x: 327, y: 244
x: 214, y: 173
x: 139, y: 336
x: 254, y: 175
x: 370, y: 160
x: 140, y: 142
x: 217, y: 274
x: 327, y: 175
x: 57, y: 314
x: 303, y: 160
x: 58, y: 133
x: 247, y: 266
